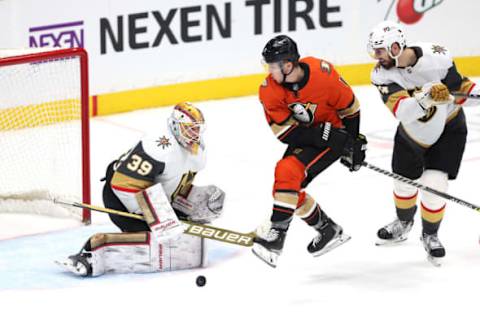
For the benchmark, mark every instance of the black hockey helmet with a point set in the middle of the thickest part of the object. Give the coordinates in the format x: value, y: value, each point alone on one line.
x: 280, y: 48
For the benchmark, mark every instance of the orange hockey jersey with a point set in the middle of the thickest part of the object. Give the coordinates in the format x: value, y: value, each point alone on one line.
x: 322, y: 96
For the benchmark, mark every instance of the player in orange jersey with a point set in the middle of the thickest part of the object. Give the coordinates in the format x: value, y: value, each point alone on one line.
x: 313, y: 110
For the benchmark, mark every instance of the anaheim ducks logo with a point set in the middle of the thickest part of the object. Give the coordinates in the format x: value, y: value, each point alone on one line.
x: 303, y: 112
x: 325, y: 67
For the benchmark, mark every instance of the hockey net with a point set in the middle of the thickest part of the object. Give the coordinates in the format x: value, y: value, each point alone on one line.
x: 44, y: 132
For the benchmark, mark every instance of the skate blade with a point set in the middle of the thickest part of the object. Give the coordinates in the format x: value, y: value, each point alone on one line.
x: 387, y: 242
x: 436, y: 262
x: 265, y: 255
x: 329, y: 247
x: 67, y: 266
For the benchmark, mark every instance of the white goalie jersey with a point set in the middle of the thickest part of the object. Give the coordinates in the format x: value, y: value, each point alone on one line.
x: 397, y: 85
x: 154, y: 160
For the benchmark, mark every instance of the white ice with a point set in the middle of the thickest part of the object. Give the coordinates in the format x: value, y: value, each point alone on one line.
x: 356, y: 279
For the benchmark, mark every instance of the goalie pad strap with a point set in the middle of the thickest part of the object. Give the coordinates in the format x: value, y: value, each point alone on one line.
x: 101, y: 240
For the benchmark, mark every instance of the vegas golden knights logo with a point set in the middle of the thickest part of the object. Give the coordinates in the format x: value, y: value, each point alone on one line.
x: 428, y: 116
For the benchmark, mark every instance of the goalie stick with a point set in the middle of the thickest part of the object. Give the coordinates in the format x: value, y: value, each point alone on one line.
x: 200, y: 230
x: 421, y: 186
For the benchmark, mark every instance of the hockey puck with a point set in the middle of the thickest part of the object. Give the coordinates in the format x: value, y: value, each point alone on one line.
x: 201, y: 280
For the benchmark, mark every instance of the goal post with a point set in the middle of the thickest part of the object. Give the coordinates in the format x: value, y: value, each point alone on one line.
x: 44, y: 131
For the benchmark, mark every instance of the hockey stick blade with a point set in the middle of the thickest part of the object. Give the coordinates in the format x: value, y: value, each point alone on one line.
x: 195, y: 229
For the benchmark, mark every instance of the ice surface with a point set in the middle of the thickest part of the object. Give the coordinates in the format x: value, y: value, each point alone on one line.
x: 355, y: 279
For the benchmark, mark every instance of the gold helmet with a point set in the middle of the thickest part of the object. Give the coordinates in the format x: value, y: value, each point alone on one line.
x: 187, y: 125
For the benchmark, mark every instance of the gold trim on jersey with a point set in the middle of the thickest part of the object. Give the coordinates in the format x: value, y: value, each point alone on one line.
x: 121, y: 180
x: 450, y: 117
x: 419, y: 143
x: 280, y: 129
x: 393, y: 99
x: 99, y: 240
x: 353, y: 108
x: 432, y: 217
x: 454, y: 114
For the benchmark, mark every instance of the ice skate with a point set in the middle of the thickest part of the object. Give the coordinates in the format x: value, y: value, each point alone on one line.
x: 268, y: 245
x: 434, y: 248
x: 395, y: 232
x: 78, y: 264
x: 330, y: 236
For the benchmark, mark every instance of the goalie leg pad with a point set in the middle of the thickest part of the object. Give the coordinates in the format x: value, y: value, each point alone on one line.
x: 140, y: 253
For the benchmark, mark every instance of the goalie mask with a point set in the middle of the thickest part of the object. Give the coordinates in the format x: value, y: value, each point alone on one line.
x: 187, y: 125
x: 384, y: 35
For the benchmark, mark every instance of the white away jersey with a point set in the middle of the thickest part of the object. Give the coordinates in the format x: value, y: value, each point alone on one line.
x: 396, y: 86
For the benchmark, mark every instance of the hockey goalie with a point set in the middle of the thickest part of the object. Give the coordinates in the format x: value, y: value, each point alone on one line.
x: 155, y: 179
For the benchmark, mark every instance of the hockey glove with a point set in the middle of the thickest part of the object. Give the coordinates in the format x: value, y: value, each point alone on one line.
x: 354, y: 153
x: 335, y: 138
x: 432, y: 95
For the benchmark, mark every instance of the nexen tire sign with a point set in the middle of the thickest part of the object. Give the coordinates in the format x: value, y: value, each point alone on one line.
x: 198, y: 23
x: 136, y: 44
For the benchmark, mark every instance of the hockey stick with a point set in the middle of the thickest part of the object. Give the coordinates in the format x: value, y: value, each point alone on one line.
x: 466, y: 95
x: 200, y: 230
x: 421, y: 186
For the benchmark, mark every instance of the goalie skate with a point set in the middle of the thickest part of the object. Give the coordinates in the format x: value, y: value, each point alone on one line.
x: 77, y: 264
x: 395, y: 232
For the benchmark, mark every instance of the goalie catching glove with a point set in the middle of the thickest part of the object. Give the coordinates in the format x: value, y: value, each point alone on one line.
x: 202, y: 205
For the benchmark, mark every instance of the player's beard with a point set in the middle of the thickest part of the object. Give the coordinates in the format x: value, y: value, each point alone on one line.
x: 387, y: 63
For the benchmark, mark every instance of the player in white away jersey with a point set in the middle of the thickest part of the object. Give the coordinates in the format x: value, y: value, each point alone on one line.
x: 154, y: 178
x: 415, y: 83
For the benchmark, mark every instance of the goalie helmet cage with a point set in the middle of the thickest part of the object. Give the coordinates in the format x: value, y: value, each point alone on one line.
x: 44, y: 131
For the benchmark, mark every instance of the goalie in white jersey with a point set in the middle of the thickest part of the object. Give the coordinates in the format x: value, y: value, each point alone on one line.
x: 415, y: 83
x: 154, y: 178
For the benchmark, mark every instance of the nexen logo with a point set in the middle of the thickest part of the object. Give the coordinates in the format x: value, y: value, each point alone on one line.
x: 64, y: 35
